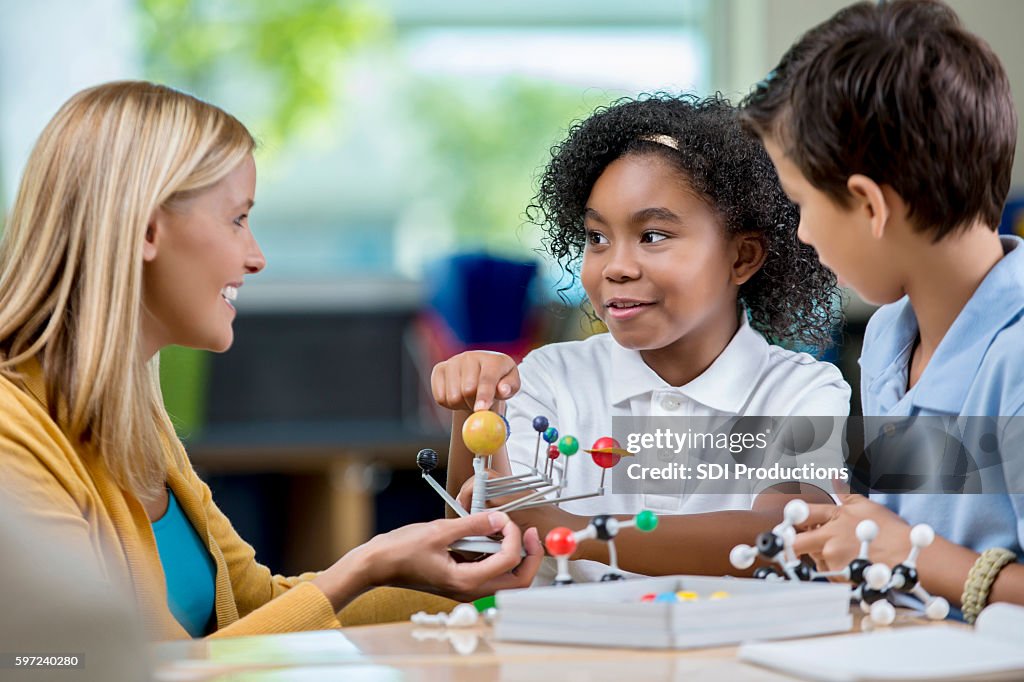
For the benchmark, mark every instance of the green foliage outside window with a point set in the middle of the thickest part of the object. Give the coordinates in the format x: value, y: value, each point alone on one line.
x: 493, y: 140
x: 299, y: 48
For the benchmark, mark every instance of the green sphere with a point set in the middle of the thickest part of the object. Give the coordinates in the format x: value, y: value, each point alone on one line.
x: 646, y: 521
x: 568, y: 445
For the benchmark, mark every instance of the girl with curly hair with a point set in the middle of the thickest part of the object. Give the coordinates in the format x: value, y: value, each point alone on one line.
x: 673, y: 219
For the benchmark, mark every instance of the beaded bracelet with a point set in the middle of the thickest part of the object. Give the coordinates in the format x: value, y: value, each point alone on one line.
x: 980, y: 578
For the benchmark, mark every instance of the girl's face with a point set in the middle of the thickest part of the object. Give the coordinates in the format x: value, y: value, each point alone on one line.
x: 196, y: 257
x: 658, y: 266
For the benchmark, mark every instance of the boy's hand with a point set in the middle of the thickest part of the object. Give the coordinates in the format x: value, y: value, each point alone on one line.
x: 474, y: 380
x: 830, y: 533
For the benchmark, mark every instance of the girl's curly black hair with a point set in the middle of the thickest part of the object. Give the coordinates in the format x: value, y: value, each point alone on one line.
x: 791, y: 299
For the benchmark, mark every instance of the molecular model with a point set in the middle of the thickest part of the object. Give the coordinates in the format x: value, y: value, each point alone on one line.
x: 561, y: 542
x: 874, y: 584
x: 484, y: 433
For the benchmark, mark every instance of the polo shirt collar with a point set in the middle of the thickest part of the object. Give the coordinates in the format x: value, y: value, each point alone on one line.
x: 725, y: 386
x: 944, y: 384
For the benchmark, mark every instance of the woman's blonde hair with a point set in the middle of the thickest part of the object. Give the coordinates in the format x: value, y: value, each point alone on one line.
x: 71, y: 260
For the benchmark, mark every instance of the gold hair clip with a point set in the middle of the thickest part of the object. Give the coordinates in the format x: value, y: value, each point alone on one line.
x: 666, y: 140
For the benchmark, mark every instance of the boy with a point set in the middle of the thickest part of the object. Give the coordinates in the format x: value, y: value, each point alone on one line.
x: 893, y: 129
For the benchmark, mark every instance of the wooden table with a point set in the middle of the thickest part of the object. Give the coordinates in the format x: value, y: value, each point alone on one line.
x: 402, y: 651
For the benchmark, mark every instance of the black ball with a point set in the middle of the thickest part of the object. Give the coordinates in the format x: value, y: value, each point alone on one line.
x: 857, y: 568
x: 608, y: 577
x: 769, y: 544
x: 871, y: 596
x: 909, y: 576
x: 600, y: 524
x: 566, y: 581
x: 802, y: 571
x: 426, y: 459
x: 764, y: 572
x: 540, y: 424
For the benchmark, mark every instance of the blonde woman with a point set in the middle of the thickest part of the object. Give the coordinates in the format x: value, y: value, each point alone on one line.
x: 130, y: 233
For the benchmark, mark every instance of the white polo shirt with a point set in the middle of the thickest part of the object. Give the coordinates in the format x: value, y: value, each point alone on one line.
x: 580, y: 385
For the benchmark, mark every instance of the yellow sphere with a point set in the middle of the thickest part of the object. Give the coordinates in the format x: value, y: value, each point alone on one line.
x: 484, y: 432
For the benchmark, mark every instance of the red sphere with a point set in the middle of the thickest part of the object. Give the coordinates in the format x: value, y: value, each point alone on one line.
x: 560, y: 542
x: 553, y: 452
x: 605, y: 460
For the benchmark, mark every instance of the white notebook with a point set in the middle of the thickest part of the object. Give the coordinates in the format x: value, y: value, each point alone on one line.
x: 993, y: 650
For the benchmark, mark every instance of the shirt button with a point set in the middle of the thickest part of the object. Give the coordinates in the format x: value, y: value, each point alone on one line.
x: 670, y: 404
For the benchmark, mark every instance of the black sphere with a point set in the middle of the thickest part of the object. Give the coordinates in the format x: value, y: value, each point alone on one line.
x: 769, y: 544
x: 909, y: 576
x: 600, y: 524
x: 871, y: 596
x: 764, y: 572
x: 857, y: 568
x: 802, y: 571
x: 608, y: 577
x: 426, y: 459
x: 540, y: 424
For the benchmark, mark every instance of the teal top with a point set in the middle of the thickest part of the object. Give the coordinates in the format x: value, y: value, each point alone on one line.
x: 188, y: 567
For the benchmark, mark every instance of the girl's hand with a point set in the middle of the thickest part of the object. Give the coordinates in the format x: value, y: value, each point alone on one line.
x: 474, y: 380
x: 830, y: 533
x: 417, y: 556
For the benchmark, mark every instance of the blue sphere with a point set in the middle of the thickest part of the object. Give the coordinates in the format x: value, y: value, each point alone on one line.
x: 551, y: 434
x: 540, y: 424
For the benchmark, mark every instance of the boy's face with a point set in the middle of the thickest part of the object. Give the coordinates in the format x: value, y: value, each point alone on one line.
x: 842, y: 236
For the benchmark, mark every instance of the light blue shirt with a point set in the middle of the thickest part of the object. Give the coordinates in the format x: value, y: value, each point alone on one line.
x: 977, y: 370
x: 188, y: 568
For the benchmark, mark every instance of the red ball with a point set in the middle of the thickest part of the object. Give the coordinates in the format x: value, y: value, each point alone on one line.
x: 650, y: 596
x: 560, y: 542
x: 605, y: 460
x: 553, y: 452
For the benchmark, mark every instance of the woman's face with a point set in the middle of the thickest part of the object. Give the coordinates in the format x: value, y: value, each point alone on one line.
x: 196, y: 255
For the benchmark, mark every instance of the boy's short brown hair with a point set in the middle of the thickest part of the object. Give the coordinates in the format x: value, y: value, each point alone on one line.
x: 900, y: 92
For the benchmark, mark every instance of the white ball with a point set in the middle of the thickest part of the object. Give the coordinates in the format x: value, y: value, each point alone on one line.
x: 937, y: 608
x: 796, y: 511
x: 883, y: 613
x: 922, y: 535
x: 867, y: 530
x: 463, y: 616
x: 877, y: 576
x: 742, y: 556
x: 611, y: 525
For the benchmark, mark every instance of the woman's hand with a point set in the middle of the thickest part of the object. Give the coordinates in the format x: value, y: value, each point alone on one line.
x: 474, y: 380
x: 417, y: 556
x: 830, y: 533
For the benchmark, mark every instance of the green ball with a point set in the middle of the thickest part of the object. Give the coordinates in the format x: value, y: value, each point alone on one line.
x: 568, y: 445
x: 646, y: 521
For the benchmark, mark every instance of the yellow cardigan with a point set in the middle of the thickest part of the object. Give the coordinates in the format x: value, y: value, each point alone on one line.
x: 70, y: 491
